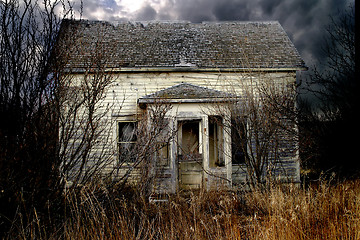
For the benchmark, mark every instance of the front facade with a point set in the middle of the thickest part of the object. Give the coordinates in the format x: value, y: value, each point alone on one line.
x: 175, y: 93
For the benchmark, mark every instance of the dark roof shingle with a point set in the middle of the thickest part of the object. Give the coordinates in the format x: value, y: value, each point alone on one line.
x: 186, y: 92
x: 189, y: 91
x: 219, y: 45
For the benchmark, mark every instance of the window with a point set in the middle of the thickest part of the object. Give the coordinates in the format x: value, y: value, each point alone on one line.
x: 163, y: 137
x: 127, y: 140
x: 162, y: 154
x: 238, y: 140
x: 216, y: 141
x: 189, y: 140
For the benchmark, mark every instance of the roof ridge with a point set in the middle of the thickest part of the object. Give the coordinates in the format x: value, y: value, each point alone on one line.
x: 116, y: 22
x: 238, y: 21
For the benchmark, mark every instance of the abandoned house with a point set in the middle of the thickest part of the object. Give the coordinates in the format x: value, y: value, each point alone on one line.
x: 191, y: 82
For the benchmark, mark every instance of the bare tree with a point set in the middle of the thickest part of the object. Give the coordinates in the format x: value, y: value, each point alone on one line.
x: 336, y: 81
x: 332, y: 124
x: 263, y: 128
x: 87, y: 147
x: 142, y: 160
x: 84, y: 120
x: 271, y: 135
x: 29, y: 169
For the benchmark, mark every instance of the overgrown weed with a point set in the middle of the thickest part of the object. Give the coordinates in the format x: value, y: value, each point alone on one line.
x: 323, y: 211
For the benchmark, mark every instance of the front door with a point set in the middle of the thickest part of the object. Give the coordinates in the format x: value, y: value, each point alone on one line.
x: 190, y: 159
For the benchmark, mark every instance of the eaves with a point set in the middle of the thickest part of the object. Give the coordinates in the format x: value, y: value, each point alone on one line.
x: 190, y: 69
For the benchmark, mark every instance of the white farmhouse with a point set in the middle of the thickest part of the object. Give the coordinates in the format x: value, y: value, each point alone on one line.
x: 197, y: 77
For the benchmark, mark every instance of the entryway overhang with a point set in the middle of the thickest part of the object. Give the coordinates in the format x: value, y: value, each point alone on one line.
x: 200, y: 153
x: 187, y: 93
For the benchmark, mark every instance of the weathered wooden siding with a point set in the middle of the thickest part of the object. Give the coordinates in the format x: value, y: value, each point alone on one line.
x: 127, y: 87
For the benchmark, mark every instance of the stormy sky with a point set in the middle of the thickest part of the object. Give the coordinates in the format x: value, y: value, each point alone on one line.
x: 303, y: 20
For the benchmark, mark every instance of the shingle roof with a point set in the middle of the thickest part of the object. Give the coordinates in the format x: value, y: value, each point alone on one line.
x: 189, y: 91
x: 186, y: 92
x: 218, y: 45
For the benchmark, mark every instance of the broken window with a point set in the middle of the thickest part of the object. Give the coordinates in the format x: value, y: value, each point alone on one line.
x: 188, y: 139
x: 216, y: 141
x: 238, y: 140
x: 127, y: 140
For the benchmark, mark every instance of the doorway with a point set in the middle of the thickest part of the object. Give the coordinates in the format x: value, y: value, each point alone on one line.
x: 190, y: 158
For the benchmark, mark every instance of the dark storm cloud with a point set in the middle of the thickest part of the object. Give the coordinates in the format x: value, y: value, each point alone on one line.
x: 232, y: 10
x: 102, y: 10
x: 304, y: 21
x: 268, y: 7
x: 146, y: 13
x: 193, y: 10
x: 306, y: 25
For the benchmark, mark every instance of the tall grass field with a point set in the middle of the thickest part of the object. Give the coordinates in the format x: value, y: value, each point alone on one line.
x: 321, y: 211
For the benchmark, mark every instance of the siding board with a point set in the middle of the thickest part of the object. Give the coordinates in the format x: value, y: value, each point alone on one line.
x: 122, y: 100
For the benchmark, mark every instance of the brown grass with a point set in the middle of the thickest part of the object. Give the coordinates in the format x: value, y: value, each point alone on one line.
x: 318, y: 212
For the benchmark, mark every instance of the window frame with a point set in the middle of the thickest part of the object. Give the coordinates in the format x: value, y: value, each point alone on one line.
x: 243, y: 121
x: 133, y: 142
x: 217, y: 128
x: 180, y: 149
x: 158, y: 147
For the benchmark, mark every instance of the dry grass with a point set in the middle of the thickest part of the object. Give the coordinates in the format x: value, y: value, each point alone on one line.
x: 319, y: 212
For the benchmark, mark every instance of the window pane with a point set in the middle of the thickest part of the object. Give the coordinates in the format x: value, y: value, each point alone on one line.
x: 162, y: 154
x: 238, y: 140
x: 127, y: 141
x: 216, y: 150
x: 190, y: 137
x: 127, y: 131
x: 126, y: 153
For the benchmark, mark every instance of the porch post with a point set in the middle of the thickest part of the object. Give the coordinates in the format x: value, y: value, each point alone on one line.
x: 174, y: 154
x: 205, y: 147
x: 227, y: 147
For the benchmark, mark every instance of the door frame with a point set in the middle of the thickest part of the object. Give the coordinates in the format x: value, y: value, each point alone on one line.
x: 200, y: 119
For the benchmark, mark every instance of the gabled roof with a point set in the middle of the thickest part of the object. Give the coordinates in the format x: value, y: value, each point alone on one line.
x: 180, y: 45
x: 186, y: 92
